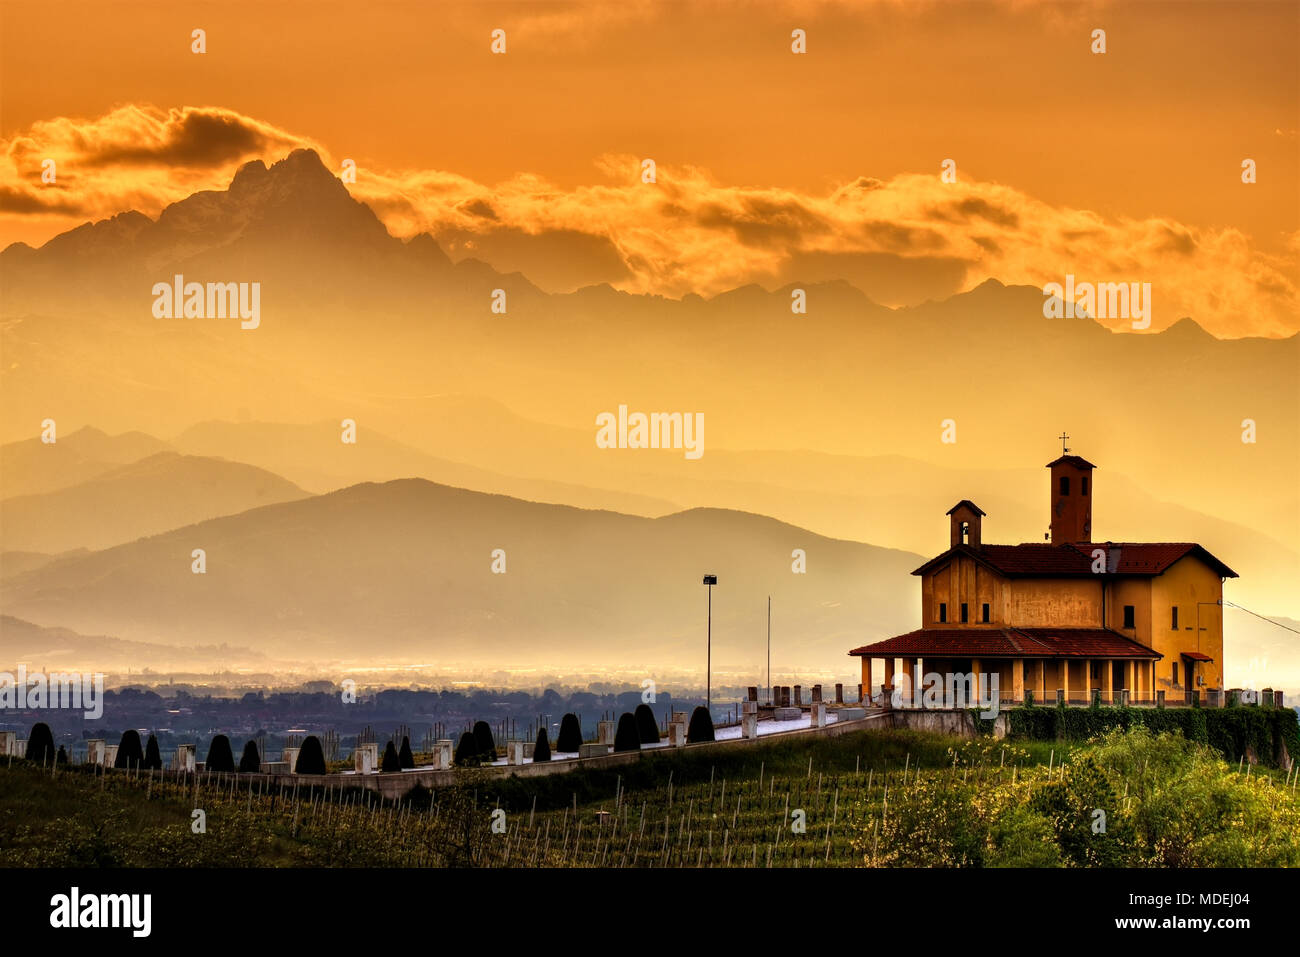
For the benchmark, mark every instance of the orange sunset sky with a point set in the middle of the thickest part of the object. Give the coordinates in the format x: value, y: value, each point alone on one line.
x: 1125, y: 165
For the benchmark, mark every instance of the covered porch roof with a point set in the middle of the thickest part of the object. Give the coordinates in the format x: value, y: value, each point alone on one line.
x: 1008, y: 643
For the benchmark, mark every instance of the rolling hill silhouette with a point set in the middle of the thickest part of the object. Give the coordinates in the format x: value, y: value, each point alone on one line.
x: 404, y: 569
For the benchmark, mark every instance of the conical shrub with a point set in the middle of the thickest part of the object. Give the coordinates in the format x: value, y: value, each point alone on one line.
x: 251, y: 762
x: 646, y: 726
x: 701, y: 726
x: 390, y: 762
x: 467, y: 750
x: 311, y: 757
x: 40, y: 744
x: 542, y: 749
x: 570, y: 738
x: 152, y: 756
x: 487, y: 748
x: 61, y: 757
x: 404, y: 757
x: 130, y: 754
x: 220, y: 757
x: 627, y: 738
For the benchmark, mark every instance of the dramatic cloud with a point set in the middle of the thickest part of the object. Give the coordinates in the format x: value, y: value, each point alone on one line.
x: 135, y: 157
x: 901, y: 240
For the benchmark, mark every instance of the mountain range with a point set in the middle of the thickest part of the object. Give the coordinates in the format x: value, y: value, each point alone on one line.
x: 475, y: 430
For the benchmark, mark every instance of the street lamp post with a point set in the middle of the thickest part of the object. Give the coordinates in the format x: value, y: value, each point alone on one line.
x: 709, y: 580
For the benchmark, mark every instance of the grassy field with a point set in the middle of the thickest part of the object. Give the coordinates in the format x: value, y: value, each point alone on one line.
x: 887, y: 799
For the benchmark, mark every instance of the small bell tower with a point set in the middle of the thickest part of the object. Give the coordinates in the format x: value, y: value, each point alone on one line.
x: 966, y: 517
x: 1071, y: 497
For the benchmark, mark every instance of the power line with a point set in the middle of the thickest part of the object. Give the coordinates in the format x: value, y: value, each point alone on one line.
x: 1263, y: 617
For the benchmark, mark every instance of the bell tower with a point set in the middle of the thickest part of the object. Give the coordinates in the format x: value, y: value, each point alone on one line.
x: 1071, y: 497
x: 965, y: 516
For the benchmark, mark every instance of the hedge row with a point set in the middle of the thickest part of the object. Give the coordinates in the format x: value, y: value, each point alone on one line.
x: 1231, y: 731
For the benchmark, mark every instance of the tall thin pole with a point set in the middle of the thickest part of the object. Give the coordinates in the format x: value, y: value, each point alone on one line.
x: 769, y: 646
x: 708, y: 666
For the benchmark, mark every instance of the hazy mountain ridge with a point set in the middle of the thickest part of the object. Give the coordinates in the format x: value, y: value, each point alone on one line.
x: 406, y: 568
x: 53, y: 648
x: 160, y: 492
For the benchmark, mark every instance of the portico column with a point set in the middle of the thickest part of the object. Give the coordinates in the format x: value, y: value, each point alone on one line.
x: 889, y: 676
x: 866, y: 677
x: 1108, y: 680
x: 1087, y: 680
x: 909, y: 671
x: 1018, y: 680
x: 1065, y: 677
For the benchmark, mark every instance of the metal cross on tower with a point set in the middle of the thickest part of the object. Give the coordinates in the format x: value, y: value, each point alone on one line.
x: 1063, y: 437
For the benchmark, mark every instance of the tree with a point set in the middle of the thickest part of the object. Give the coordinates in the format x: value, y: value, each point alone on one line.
x: 390, y: 762
x: 487, y: 748
x: 129, y: 752
x: 404, y: 756
x: 250, y: 763
x: 152, y: 757
x: 40, y: 745
x: 467, y: 754
x: 220, y: 757
x: 701, y: 726
x: 627, y: 738
x: 646, y: 726
x: 570, y: 738
x: 542, y: 749
x: 311, y: 757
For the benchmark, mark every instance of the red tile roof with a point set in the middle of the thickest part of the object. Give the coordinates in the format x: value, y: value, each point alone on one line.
x: 1009, y: 643
x: 1196, y: 656
x: 1040, y: 560
x: 1077, y: 461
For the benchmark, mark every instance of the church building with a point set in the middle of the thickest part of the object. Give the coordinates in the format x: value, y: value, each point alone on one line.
x: 1074, y: 615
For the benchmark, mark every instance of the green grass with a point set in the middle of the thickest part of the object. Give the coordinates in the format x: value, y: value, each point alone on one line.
x: 872, y: 798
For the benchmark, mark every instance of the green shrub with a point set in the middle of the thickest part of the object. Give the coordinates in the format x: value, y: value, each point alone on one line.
x: 487, y: 747
x: 251, y: 762
x: 467, y: 753
x: 542, y: 749
x: 390, y: 761
x: 646, y: 726
x: 570, y: 738
x: 152, y: 756
x: 220, y: 757
x: 311, y: 757
x: 404, y: 757
x: 627, y: 737
x: 701, y: 726
x: 129, y: 752
x: 40, y: 744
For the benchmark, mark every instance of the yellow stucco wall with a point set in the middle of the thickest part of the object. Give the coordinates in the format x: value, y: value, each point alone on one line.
x: 1055, y: 602
x: 1186, y: 583
x: 962, y: 580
